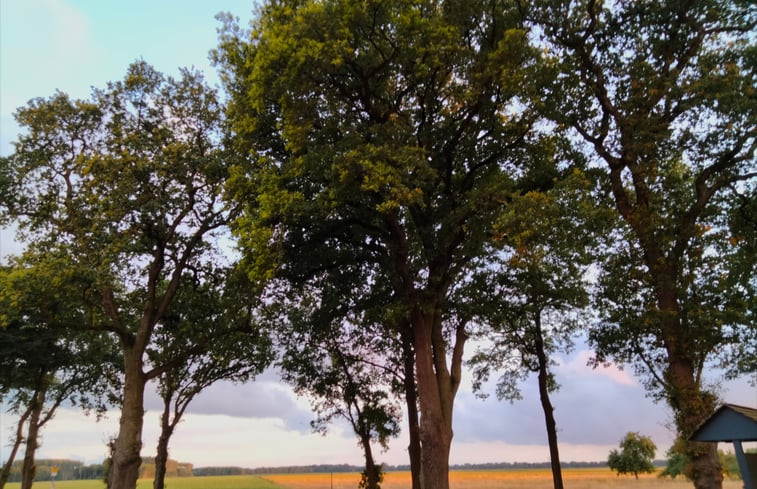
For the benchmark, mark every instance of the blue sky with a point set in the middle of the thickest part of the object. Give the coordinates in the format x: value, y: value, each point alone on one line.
x: 73, y: 45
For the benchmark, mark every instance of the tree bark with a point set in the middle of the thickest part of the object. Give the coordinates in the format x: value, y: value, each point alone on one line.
x: 435, y: 395
x: 124, y: 467
x: 411, y: 400
x: 693, y: 407
x: 546, y: 404
x: 161, y: 456
x: 372, y: 475
x: 29, y: 469
x: 16, y: 444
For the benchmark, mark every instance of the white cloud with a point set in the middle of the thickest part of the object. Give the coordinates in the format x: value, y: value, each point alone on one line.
x: 264, y: 398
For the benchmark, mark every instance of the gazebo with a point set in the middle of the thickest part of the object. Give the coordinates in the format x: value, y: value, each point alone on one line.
x: 735, y: 424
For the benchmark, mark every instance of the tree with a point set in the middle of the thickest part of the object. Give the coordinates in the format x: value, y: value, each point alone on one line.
x: 41, y: 364
x: 534, y: 290
x: 663, y: 95
x: 384, y: 137
x: 127, y: 187
x: 635, y: 457
x: 344, y: 371
x: 211, y: 309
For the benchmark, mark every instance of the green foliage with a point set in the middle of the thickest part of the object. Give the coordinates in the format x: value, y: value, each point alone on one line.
x: 678, y: 462
x: 662, y: 96
x: 635, y: 457
x: 36, y: 349
x: 214, y: 313
x: 384, y: 139
x: 730, y: 463
x: 531, y: 296
x: 365, y: 480
x: 123, y: 192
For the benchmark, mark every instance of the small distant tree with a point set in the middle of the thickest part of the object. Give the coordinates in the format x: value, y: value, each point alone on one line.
x: 635, y: 457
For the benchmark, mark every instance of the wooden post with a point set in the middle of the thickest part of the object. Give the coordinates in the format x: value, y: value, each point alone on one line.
x: 746, y: 477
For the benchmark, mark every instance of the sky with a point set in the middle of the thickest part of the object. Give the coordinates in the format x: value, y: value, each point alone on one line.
x: 73, y: 45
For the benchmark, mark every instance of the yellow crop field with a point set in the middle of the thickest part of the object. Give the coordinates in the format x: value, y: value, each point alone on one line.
x: 468, y: 479
x: 495, y: 479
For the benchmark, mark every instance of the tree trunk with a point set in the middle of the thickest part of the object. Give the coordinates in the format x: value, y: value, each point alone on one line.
x: 124, y: 467
x: 372, y: 474
x: 16, y: 444
x: 29, y: 469
x: 693, y: 407
x: 546, y: 404
x: 161, y: 457
x: 411, y: 400
x: 435, y: 399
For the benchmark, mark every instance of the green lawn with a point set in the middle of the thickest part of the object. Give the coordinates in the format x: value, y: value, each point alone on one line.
x: 216, y: 482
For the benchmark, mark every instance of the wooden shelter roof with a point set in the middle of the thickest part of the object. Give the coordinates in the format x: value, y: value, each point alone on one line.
x: 729, y: 423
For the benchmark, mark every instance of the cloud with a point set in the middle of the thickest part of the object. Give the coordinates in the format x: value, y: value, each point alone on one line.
x: 578, y: 365
x: 264, y: 398
x: 593, y: 407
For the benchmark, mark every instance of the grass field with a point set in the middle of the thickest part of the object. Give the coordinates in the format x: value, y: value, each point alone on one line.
x: 215, y: 482
x: 495, y: 479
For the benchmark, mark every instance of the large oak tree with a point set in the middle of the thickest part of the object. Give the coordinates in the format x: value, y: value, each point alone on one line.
x: 385, y: 134
x: 663, y: 95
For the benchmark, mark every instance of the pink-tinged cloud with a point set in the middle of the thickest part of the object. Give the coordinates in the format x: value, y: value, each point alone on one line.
x: 579, y: 365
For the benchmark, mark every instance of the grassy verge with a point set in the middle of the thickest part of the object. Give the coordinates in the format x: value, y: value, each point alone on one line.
x: 215, y: 482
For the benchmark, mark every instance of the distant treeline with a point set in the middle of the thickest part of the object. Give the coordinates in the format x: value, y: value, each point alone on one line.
x: 206, y: 471
x: 67, y: 470
x: 173, y: 468
x: 73, y: 469
x: 304, y: 469
x: 76, y: 470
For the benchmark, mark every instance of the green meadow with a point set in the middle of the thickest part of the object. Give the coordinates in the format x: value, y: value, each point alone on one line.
x: 213, y: 482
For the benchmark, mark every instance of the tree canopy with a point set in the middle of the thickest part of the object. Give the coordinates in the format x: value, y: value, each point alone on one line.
x: 397, y: 175
x: 635, y: 456
x: 125, y: 189
x: 383, y: 138
x: 662, y: 95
